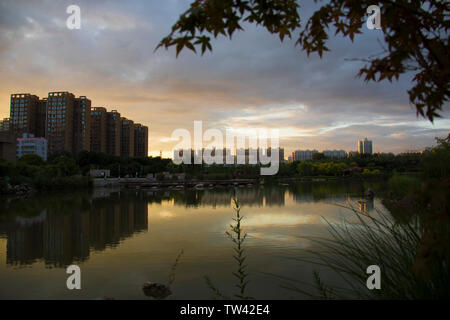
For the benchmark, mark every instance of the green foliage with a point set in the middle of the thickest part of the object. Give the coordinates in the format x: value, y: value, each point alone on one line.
x: 436, y: 162
x: 32, y: 160
x: 400, y: 186
x: 309, y: 168
x: 65, y: 166
x: 416, y: 34
x: 318, y: 156
x: 237, y: 236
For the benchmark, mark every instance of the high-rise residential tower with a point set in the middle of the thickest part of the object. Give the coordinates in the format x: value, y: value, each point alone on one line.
x: 140, y: 141
x: 113, y: 133
x: 127, y: 138
x: 365, y: 146
x: 23, y: 113
x: 59, y: 131
x: 81, y: 125
x: 98, y: 130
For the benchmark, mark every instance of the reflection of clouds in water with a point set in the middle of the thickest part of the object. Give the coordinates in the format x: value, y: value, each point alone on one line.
x: 261, y: 220
x: 276, y: 239
x: 166, y: 214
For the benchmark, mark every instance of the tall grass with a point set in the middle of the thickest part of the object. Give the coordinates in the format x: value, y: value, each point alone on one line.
x: 237, y: 236
x: 375, y: 240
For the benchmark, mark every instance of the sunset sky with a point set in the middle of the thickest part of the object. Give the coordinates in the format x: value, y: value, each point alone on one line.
x: 253, y: 81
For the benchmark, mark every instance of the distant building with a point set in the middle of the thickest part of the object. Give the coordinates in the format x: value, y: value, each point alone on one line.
x: 127, y: 138
x: 98, y: 130
x: 302, y: 155
x: 140, y: 141
x: 28, y: 144
x: 352, y: 154
x: 338, y: 154
x: 5, y: 125
x: 365, y: 146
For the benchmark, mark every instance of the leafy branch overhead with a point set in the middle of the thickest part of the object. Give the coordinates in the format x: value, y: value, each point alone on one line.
x: 416, y: 34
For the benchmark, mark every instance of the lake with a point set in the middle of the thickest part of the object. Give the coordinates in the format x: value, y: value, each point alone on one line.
x: 121, y: 238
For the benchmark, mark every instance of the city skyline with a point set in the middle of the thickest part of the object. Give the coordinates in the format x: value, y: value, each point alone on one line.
x: 251, y: 82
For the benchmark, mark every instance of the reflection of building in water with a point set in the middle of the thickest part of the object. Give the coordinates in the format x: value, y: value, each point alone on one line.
x: 366, y: 205
x: 274, y: 197
x: 247, y: 196
x: 250, y: 196
x: 63, y: 238
x: 216, y: 198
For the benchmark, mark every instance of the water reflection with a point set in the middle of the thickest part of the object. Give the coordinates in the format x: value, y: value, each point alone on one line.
x: 64, y: 229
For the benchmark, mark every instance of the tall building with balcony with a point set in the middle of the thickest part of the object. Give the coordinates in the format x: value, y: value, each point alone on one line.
x: 98, y: 130
x: 140, y: 141
x: 113, y: 133
x: 28, y: 144
x: 127, y: 138
x: 365, y: 146
x: 81, y: 125
x: 59, y: 131
x: 23, y: 113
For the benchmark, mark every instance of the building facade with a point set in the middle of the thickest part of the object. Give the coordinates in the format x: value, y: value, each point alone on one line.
x: 339, y: 154
x: 98, y: 130
x: 59, y: 131
x: 81, y: 125
x: 28, y: 144
x: 5, y: 125
x: 23, y: 113
x: 365, y: 146
x: 140, y: 141
x: 7, y: 146
x: 127, y: 138
x: 302, y: 155
x: 113, y: 133
x: 41, y: 118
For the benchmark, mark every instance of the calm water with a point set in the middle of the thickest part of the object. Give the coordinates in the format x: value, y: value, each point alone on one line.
x: 122, y: 238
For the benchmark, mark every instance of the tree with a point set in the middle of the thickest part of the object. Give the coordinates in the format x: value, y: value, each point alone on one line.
x: 32, y: 160
x: 415, y: 32
x: 318, y: 156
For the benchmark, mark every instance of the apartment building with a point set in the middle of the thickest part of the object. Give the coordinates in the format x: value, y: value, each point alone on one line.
x: 113, y: 133
x: 59, y: 131
x: 29, y: 144
x: 98, y: 130
x: 81, y: 125
x: 127, y: 138
x: 140, y: 141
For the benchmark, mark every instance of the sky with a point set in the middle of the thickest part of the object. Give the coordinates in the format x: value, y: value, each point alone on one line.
x: 253, y: 81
